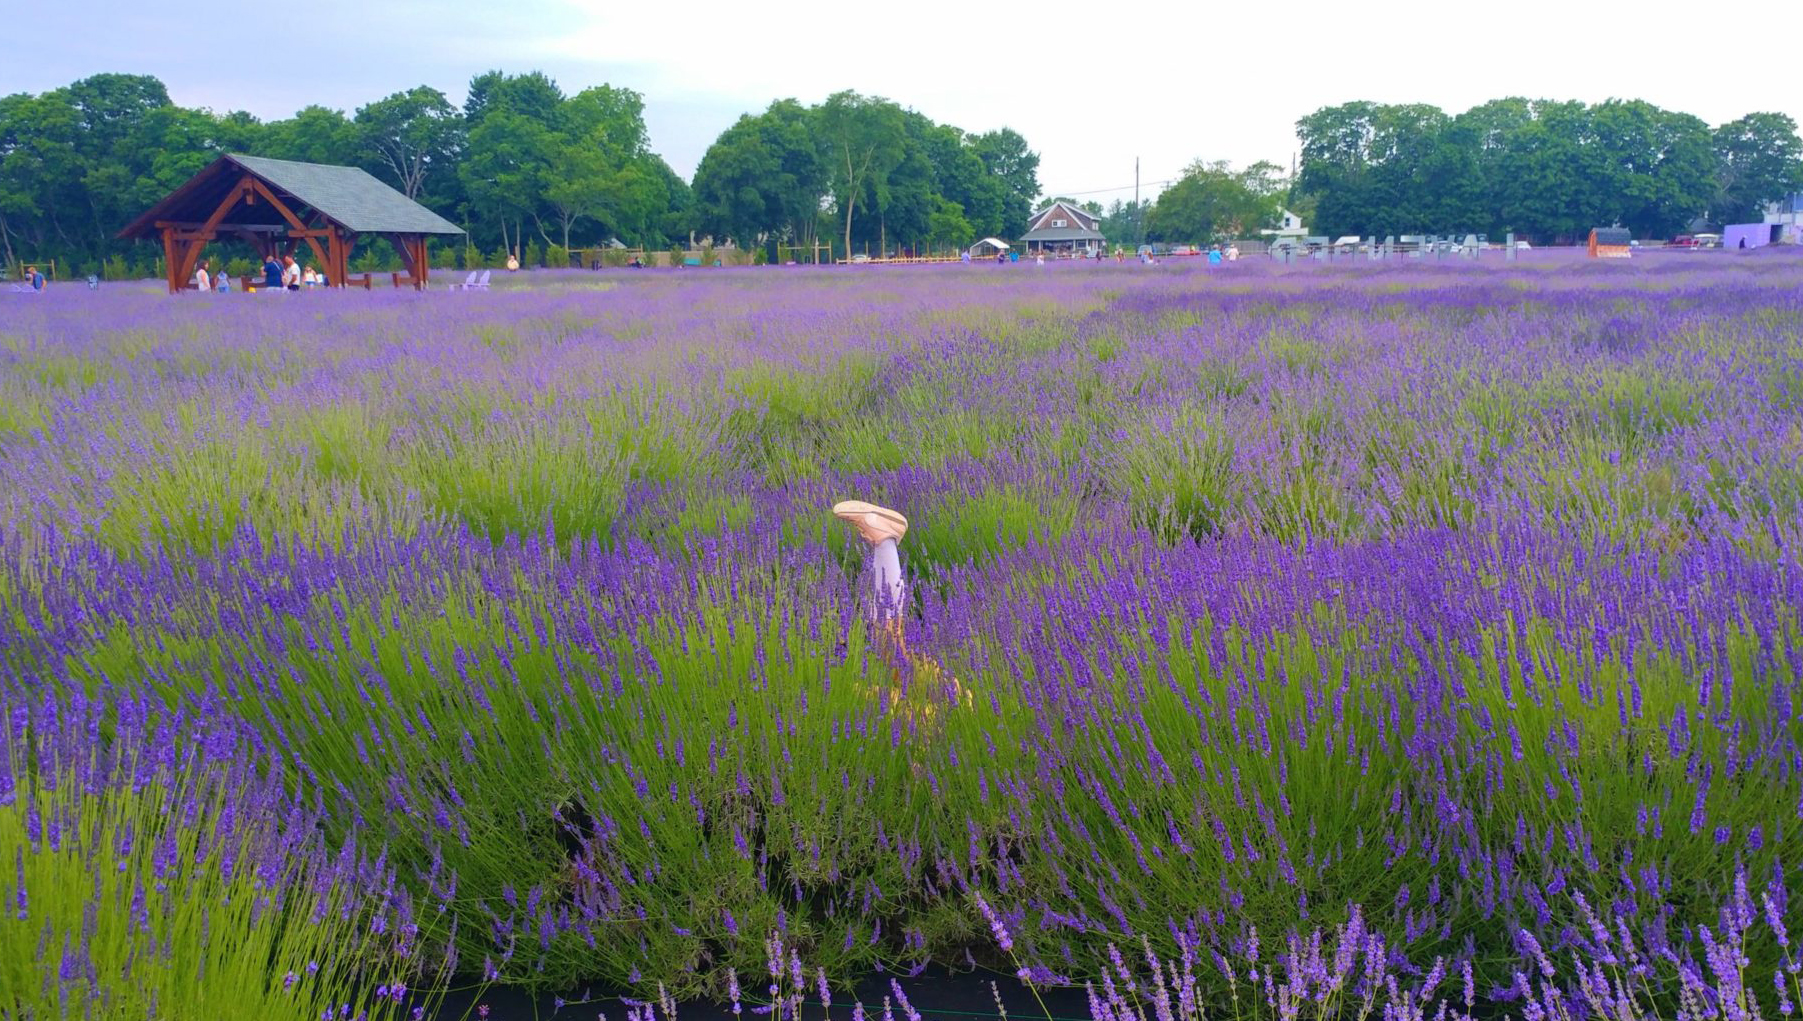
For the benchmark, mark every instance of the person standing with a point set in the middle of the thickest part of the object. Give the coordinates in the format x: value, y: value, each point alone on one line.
x: 291, y: 273
x: 222, y: 282
x: 272, y: 273
x: 34, y: 280
x: 1214, y: 256
x: 1233, y: 252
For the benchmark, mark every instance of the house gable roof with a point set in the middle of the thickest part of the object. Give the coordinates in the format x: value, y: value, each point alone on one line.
x: 1084, y: 217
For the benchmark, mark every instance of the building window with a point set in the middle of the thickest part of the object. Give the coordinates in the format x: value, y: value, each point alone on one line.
x: 1058, y: 223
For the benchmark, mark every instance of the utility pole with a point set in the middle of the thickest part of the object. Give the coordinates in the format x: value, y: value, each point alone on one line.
x: 1139, y: 223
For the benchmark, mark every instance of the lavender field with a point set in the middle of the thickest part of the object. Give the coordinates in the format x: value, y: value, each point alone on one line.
x: 1286, y: 642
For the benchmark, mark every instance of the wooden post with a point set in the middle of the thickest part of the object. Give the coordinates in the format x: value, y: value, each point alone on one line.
x: 169, y: 263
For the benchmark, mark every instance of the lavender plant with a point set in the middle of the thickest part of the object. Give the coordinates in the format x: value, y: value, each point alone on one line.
x: 1434, y: 627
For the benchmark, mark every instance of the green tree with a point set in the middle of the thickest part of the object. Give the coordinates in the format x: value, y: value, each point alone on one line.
x: 314, y: 135
x: 961, y: 177
x: 1652, y: 169
x: 864, y: 137
x: 1337, y: 166
x: 763, y: 177
x: 1212, y: 201
x: 504, y: 169
x: 948, y: 227
x: 410, y: 134
x: 594, y: 165
x: 1758, y: 159
x: 674, y: 214
x: 1122, y: 221
x: 1004, y: 151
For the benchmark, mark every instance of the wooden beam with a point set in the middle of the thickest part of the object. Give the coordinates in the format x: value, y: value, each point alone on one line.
x: 412, y: 248
x: 196, y: 235
x: 342, y: 243
x: 169, y: 259
x: 277, y: 204
x: 198, y: 241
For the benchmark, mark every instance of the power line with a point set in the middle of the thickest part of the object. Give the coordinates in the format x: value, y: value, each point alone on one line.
x: 1101, y: 191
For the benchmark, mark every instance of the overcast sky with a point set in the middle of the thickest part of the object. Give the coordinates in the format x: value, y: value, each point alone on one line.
x: 1091, y: 86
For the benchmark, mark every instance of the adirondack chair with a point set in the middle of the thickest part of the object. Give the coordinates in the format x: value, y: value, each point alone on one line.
x: 469, y: 282
x: 482, y: 281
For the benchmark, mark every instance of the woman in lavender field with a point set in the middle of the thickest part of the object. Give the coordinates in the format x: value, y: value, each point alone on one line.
x: 883, y: 529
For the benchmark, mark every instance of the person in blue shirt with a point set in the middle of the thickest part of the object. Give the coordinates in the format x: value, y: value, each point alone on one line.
x: 34, y: 280
x: 1214, y: 256
x: 272, y: 274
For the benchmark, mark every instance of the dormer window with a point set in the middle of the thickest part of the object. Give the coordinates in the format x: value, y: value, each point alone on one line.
x: 1060, y: 223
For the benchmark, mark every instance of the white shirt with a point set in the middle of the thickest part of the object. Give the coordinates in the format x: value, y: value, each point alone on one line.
x: 201, y: 281
x: 292, y: 275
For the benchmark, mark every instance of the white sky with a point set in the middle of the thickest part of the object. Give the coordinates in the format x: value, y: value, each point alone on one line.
x: 1091, y: 86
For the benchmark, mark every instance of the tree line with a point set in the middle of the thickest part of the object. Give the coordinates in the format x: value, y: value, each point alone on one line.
x: 526, y: 167
x: 1546, y: 169
x: 864, y: 172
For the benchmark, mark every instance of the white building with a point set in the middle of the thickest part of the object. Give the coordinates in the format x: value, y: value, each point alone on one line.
x: 1786, y: 218
x: 1291, y: 227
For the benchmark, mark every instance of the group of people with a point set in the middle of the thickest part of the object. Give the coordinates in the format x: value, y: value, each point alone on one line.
x: 288, y: 274
x: 32, y: 281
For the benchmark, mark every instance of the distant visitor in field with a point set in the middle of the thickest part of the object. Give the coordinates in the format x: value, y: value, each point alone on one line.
x: 1233, y: 253
x: 272, y: 273
x: 291, y: 273
x: 223, y: 282
x: 34, y: 280
x: 883, y: 529
x: 203, y: 281
x: 1214, y: 255
x: 513, y: 263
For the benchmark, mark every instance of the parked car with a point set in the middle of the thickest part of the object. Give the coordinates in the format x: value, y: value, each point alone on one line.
x: 1523, y: 246
x: 1708, y: 240
x: 859, y: 258
x: 1682, y: 241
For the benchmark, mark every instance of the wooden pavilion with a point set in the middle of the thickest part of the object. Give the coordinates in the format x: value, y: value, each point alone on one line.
x: 276, y: 205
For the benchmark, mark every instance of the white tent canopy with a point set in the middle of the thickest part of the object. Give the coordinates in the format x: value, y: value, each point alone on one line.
x: 991, y: 242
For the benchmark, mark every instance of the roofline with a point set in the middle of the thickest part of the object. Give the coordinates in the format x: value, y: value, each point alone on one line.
x: 143, y: 225
x: 1067, y: 205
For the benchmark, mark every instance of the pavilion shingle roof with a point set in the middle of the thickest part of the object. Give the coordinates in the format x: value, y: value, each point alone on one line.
x: 350, y: 196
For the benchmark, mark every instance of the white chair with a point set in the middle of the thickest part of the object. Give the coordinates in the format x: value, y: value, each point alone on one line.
x: 482, y: 281
x: 469, y: 282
